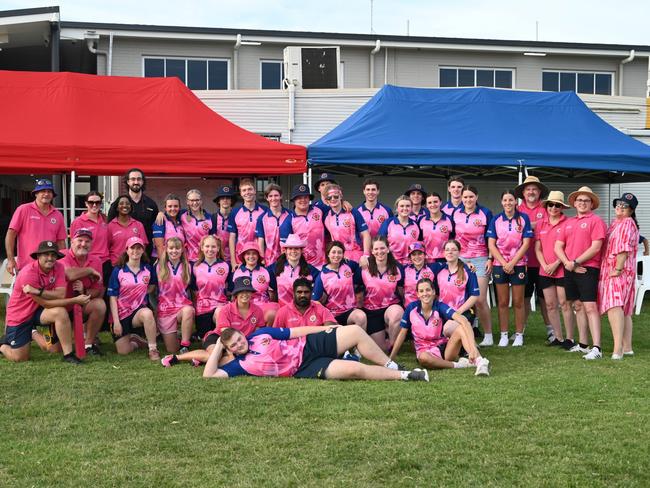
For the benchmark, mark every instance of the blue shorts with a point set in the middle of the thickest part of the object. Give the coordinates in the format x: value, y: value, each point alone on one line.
x: 127, y: 326
x: 17, y: 336
x: 320, y: 350
x: 518, y: 277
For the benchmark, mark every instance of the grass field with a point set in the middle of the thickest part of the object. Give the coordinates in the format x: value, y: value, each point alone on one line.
x: 543, y: 418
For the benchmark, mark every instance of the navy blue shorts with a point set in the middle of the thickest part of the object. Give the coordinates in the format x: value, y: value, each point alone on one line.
x: 376, y: 321
x: 204, y: 324
x: 18, y: 335
x: 127, y: 326
x: 210, y: 340
x: 342, y: 318
x: 532, y: 283
x: 320, y: 350
x: 501, y: 278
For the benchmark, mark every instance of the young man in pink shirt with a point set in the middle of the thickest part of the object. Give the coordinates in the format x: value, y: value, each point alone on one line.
x: 31, y: 223
x: 242, y: 221
x: 303, y: 311
x: 38, y: 299
x: 455, y: 189
x: 374, y: 212
x: 578, y: 246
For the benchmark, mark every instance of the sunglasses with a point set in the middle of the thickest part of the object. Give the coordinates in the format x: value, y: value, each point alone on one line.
x: 622, y: 205
x: 334, y: 197
x: 554, y: 205
x: 92, y: 203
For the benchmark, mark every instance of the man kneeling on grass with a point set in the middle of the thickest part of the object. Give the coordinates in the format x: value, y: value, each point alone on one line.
x: 304, y: 352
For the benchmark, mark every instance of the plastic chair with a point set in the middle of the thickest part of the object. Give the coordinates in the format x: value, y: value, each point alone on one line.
x: 6, y: 280
x: 642, y: 283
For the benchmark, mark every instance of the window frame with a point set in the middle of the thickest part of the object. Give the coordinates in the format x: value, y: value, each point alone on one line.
x: 612, y: 74
x: 476, y: 69
x: 274, y: 61
x: 191, y: 58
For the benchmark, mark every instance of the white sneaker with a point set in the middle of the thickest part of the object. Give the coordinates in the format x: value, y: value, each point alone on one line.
x: 628, y: 353
x: 550, y: 338
x: 482, y: 367
x: 487, y: 341
x: 593, y: 354
x: 519, y: 340
x: 617, y: 357
x: 503, y: 342
x: 463, y: 363
x: 579, y: 348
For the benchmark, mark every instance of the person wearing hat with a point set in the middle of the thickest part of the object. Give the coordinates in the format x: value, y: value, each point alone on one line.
x: 38, y: 299
x: 618, y: 273
x: 291, y: 265
x: 242, y: 221
x: 531, y: 192
x: 551, y: 270
x: 267, y: 230
x: 579, y: 245
x: 418, y: 196
x: 132, y: 280
x: 83, y: 272
x: 346, y: 226
x: 306, y: 222
x: 225, y: 200
x: 302, y: 311
x: 415, y: 271
x: 253, y: 267
x: 240, y: 314
x: 34, y: 222
x: 319, y: 188
x: 372, y: 210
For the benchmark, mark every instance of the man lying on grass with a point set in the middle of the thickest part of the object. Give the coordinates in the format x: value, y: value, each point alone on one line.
x: 304, y: 352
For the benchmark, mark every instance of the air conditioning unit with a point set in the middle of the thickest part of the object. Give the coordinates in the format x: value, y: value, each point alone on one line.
x: 312, y: 67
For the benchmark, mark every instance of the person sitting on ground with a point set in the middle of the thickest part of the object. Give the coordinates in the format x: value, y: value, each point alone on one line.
x: 37, y: 299
x: 303, y: 311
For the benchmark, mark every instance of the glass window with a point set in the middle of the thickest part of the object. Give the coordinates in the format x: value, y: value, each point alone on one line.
x: 456, y: 77
x: 466, y: 77
x: 448, y: 77
x: 603, y: 84
x: 567, y: 82
x: 154, y: 68
x: 585, y: 82
x: 217, y: 75
x: 581, y: 82
x: 175, y: 67
x: 503, y: 79
x: 550, y: 81
x: 484, y: 77
x: 272, y: 74
x: 197, y: 74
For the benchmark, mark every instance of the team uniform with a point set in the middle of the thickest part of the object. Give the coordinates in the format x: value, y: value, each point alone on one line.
x: 400, y: 237
x: 427, y: 333
x: 471, y: 230
x: 618, y: 291
x: 220, y: 230
x: 434, y: 235
x: 316, y: 314
x: 242, y: 222
x: 195, y: 230
x: 375, y: 217
x: 23, y: 313
x: 448, y: 208
x: 99, y: 230
x: 32, y: 227
x: 144, y: 211
x: 423, y: 213
x: 346, y: 227
x: 209, y: 283
x: 340, y: 289
x: 168, y: 229
x: 452, y: 290
x: 509, y: 235
x: 268, y: 228
x: 283, y: 283
x: 547, y: 234
x: 310, y: 229
x: 380, y: 292
x: 118, y: 234
x: 411, y: 278
x: 261, y: 280
x: 273, y: 353
x: 130, y: 289
x: 536, y: 215
x: 173, y: 295
x: 229, y: 317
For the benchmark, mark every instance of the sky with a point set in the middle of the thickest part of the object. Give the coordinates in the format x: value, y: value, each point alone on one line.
x: 622, y: 22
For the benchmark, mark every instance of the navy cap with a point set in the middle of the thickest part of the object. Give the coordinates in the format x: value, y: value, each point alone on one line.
x: 628, y: 198
x: 416, y: 187
x: 225, y: 191
x: 300, y: 190
x: 243, y: 283
x: 325, y: 177
x: 43, y: 184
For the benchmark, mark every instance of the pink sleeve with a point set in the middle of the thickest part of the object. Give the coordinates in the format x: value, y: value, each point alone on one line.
x: 622, y: 239
x: 61, y: 234
x: 223, y: 321
x: 326, y: 314
x: 16, y: 223
x: 560, y: 234
x: 145, y: 239
x: 599, y: 230
x: 280, y: 318
x: 73, y: 226
x: 59, y: 276
x: 259, y: 314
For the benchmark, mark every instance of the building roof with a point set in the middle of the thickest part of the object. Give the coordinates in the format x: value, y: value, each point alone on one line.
x: 29, y: 11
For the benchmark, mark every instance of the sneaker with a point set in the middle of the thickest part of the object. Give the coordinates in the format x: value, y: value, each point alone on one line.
x: 556, y: 342
x: 463, y: 363
x: 196, y: 363
x: 487, y: 341
x: 519, y: 340
x: 351, y: 357
x: 154, y: 355
x: 168, y: 361
x: 579, y: 348
x: 567, y: 344
x: 482, y: 367
x: 617, y: 357
x: 593, y: 354
x: 628, y: 353
x: 550, y: 338
x: 503, y: 342
x: 418, y: 375
x: 183, y: 350
x: 72, y: 359
x: 94, y: 350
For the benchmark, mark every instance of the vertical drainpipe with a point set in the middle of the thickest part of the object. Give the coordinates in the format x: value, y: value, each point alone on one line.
x: 385, y: 65
x: 620, y: 71
x: 235, y: 63
x: 55, y: 36
x: 372, y: 62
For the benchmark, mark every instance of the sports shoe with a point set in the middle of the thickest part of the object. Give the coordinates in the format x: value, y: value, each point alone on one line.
x: 463, y: 363
x: 487, y: 341
x: 94, y: 350
x: 183, y: 350
x: 579, y: 348
x: 351, y: 357
x: 72, y: 359
x: 628, y: 353
x: 154, y: 355
x: 617, y: 357
x: 503, y: 342
x: 196, y: 363
x: 482, y: 367
x: 168, y: 361
x: 418, y: 375
x: 593, y: 354
x: 555, y: 342
x: 519, y: 340
x: 567, y: 344
x: 550, y: 338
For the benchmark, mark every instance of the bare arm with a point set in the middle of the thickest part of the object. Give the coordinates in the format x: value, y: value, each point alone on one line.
x: 460, y: 319
x: 117, y: 325
x: 365, y: 238
x: 74, y: 274
x: 262, y: 245
x: 559, y: 252
x: 646, y: 247
x: 61, y: 244
x: 211, y: 369
x: 469, y: 303
x: 399, y: 340
x: 232, y: 244
x: 521, y: 251
x: 10, y: 247
x: 494, y: 251
x: 159, y: 244
x: 54, y: 298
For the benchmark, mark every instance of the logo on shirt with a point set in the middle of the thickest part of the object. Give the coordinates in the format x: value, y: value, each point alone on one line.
x: 477, y: 223
x: 145, y: 280
x: 347, y: 273
x: 426, y: 274
x: 392, y: 278
x: 221, y: 271
x: 261, y: 279
x: 265, y: 341
x: 253, y: 320
x: 522, y: 276
x: 205, y: 226
x: 444, y: 229
x: 381, y: 219
x: 312, y: 318
x: 517, y: 228
x: 583, y: 225
x: 458, y: 282
x: 52, y: 221
x: 52, y: 279
x: 135, y: 230
x: 315, y: 216
x: 346, y: 223
x: 414, y: 234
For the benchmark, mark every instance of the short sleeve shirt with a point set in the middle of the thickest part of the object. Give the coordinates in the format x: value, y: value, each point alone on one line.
x: 289, y: 316
x: 260, y: 279
x: 118, y: 234
x: 411, y: 278
x: 400, y: 237
x: 471, y: 230
x: 339, y: 286
x: 510, y: 234
x: 427, y: 332
x: 579, y: 232
x: 310, y: 229
x: 173, y: 292
x: 210, y: 282
x: 435, y: 234
x: 99, y: 229
x: 268, y: 228
x: 229, y: 316
x: 381, y: 290
x: 131, y: 288
x: 375, y: 217
x: 70, y: 261
x: 32, y: 227
x: 546, y: 234
x: 195, y: 229
x: 453, y: 290
x: 535, y: 215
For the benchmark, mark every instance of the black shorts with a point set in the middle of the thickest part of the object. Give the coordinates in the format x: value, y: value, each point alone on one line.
x: 342, y: 318
x: 545, y: 282
x: 204, y: 324
x: 320, y: 350
x: 127, y: 326
x: 470, y: 316
x: 532, y: 283
x: 440, y: 260
x: 583, y: 287
x: 17, y: 336
x: 518, y: 277
x: 210, y: 340
x: 376, y: 321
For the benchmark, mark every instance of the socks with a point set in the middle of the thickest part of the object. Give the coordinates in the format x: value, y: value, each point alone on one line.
x: 391, y: 365
x: 404, y: 375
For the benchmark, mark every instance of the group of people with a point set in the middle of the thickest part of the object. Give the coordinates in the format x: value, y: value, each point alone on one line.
x: 309, y: 291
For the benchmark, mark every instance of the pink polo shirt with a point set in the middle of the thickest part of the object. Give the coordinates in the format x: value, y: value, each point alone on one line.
x: 21, y: 307
x: 339, y: 286
x: 316, y: 314
x: 427, y: 332
x: 131, y: 288
x: 243, y: 222
x: 375, y: 217
x: 210, y: 282
x: 346, y: 227
x: 411, y: 278
x: 268, y: 228
x: 172, y: 293
x: 70, y: 261
x: 547, y: 234
x: 435, y: 234
x: 118, y: 234
x: 168, y: 229
x: 451, y: 289
x: 579, y: 232
x: 535, y: 215
x: 99, y: 229
x: 471, y: 229
x: 310, y: 229
x: 400, y: 237
x: 220, y: 230
x: 283, y: 283
x: 381, y: 290
x: 229, y: 316
x: 509, y: 235
x: 260, y: 279
x: 195, y: 230
x: 32, y: 227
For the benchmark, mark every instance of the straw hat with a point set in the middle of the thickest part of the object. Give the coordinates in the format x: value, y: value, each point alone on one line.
x: 531, y: 180
x: 555, y: 197
x: 585, y: 190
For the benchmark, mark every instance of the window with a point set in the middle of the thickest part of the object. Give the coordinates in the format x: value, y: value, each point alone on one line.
x: 197, y: 74
x: 272, y: 74
x: 578, y: 81
x: 493, y: 78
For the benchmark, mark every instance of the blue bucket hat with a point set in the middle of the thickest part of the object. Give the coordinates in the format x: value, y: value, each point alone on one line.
x: 300, y: 190
x: 325, y: 177
x: 243, y: 283
x: 225, y: 191
x: 43, y: 184
x: 628, y: 198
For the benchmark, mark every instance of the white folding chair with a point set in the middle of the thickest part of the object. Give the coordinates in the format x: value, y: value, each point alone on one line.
x: 642, y: 283
x: 6, y: 280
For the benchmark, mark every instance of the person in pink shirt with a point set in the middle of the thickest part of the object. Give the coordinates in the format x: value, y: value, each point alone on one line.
x: 509, y: 235
x: 122, y: 228
x: 303, y: 311
x: 417, y: 195
x: 290, y: 266
x: 374, y: 212
x: 415, y: 271
x: 128, y: 289
x: 304, y: 352
x: 579, y: 245
x: 241, y: 314
x: 383, y: 284
x: 38, y: 299
x: 471, y: 222
x: 337, y: 284
x: 306, y: 221
x: 455, y: 187
x: 436, y: 229
x: 253, y: 267
x: 268, y: 224
x: 31, y: 223
x: 439, y: 332
x: 94, y: 220
x: 242, y: 221
x: 618, y: 274
x: 173, y: 272
x: 210, y: 276
x: 400, y: 231
x: 171, y: 225
x: 225, y: 199
x: 83, y: 272
x: 551, y: 271
x: 196, y: 222
x: 346, y: 227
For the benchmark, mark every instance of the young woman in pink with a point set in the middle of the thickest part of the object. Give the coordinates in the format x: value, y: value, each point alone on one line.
x: 290, y: 265
x: 253, y: 267
x: 174, y: 304
x: 345, y: 226
x: 197, y: 223
x: 436, y: 229
x: 122, y: 228
x: 400, y: 231
x: 268, y: 224
x: 415, y: 271
x: 171, y: 227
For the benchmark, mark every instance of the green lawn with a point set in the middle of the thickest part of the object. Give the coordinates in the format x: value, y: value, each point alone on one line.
x: 544, y: 417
